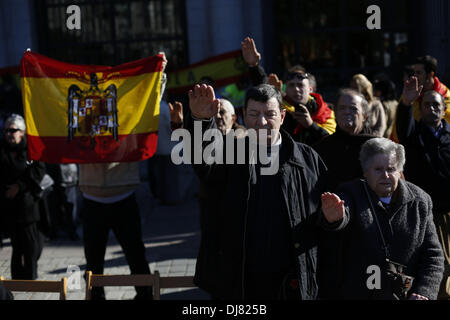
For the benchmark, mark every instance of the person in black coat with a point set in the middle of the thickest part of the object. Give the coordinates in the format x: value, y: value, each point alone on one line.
x: 340, y: 151
x: 263, y: 244
x: 20, y: 188
x: 427, y: 145
x: 383, y: 217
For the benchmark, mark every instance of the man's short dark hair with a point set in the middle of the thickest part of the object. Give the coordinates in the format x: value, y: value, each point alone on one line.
x: 429, y: 63
x: 263, y: 93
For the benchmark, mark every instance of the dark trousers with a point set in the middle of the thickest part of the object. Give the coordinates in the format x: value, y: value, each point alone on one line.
x: 27, y: 243
x: 270, y: 286
x: 124, y: 220
x: 62, y: 204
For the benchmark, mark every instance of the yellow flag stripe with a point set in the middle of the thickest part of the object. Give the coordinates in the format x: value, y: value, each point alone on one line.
x: 330, y: 124
x: 46, y: 103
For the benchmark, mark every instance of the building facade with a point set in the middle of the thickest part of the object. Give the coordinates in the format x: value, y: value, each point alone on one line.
x: 330, y: 38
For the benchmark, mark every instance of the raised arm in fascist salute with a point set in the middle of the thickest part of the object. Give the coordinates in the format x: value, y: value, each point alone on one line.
x: 308, y: 117
x: 254, y: 225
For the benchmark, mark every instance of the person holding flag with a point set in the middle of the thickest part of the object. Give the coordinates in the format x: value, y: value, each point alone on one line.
x: 106, y: 120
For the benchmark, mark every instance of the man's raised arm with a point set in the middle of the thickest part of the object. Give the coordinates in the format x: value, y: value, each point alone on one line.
x: 405, y: 123
x: 252, y: 57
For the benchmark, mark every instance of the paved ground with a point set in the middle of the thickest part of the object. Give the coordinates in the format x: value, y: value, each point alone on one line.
x: 171, y: 235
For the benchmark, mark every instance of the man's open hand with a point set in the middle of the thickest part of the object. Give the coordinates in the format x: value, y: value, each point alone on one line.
x: 275, y: 81
x: 332, y: 207
x: 249, y: 52
x: 411, y: 91
x: 203, y: 102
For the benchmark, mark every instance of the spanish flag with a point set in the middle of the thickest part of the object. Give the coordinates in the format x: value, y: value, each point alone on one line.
x: 89, y: 114
x: 223, y: 69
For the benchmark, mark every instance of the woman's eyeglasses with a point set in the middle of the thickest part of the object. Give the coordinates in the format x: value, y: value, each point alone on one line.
x: 11, y: 130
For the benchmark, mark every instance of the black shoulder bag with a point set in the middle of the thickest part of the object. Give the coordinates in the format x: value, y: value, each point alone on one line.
x: 400, y: 282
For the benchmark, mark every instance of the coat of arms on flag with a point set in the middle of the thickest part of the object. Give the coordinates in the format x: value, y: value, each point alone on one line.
x: 88, y: 114
x: 92, y: 111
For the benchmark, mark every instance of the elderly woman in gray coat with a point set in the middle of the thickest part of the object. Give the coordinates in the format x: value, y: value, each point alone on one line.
x: 384, y: 217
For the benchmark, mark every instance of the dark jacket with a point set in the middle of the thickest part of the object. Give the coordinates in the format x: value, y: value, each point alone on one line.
x: 408, y: 228
x: 427, y: 157
x: 224, y: 198
x: 14, y: 168
x: 340, y: 152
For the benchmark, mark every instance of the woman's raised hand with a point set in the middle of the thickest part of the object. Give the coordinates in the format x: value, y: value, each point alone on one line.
x: 332, y: 207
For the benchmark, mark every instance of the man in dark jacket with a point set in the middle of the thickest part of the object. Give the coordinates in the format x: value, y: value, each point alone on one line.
x: 265, y: 236
x: 340, y: 151
x: 427, y: 144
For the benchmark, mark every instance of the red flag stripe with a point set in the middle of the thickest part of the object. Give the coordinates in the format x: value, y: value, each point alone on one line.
x: 132, y: 147
x: 38, y: 66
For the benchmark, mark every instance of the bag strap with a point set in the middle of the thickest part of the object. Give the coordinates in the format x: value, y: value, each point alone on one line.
x: 386, y: 250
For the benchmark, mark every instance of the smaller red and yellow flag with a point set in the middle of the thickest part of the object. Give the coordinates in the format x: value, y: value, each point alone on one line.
x: 88, y: 114
x: 223, y: 69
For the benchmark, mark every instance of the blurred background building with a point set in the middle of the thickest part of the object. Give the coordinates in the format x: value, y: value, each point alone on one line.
x: 329, y: 38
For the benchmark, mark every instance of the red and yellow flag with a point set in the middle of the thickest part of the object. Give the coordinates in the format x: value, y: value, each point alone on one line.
x: 223, y: 69
x: 87, y: 114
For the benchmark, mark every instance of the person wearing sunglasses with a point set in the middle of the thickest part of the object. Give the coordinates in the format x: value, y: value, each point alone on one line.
x: 309, y: 118
x: 19, y: 195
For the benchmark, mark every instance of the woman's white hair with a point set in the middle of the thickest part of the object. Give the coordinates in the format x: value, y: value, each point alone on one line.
x: 376, y: 146
x: 16, y: 120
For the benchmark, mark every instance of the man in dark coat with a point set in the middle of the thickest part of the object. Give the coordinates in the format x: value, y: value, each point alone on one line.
x: 264, y: 245
x: 427, y: 144
x: 20, y: 188
x: 340, y: 151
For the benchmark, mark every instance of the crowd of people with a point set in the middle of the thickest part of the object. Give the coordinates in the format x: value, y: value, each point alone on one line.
x: 362, y: 184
